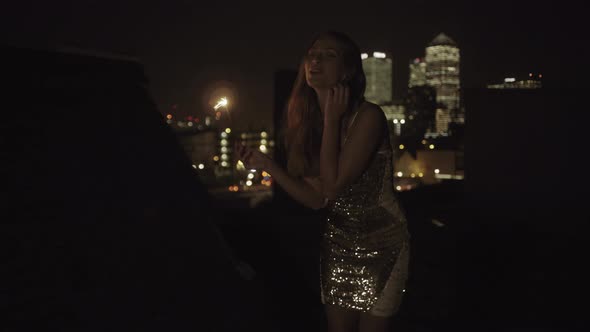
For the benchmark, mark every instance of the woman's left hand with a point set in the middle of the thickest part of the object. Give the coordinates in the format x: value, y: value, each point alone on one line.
x: 337, y: 102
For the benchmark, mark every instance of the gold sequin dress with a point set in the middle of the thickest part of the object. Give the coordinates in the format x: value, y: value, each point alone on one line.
x: 365, y: 244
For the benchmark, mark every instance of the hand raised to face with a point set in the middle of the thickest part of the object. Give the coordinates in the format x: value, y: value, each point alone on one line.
x: 337, y: 102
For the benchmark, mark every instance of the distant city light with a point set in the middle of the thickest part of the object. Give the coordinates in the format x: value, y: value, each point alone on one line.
x: 253, y: 170
x: 263, y: 134
x: 228, y: 130
x: 540, y: 76
x: 223, y: 142
x: 265, y: 174
x: 223, y: 134
x: 201, y: 166
x: 412, y: 175
x: 262, y: 148
x: 379, y: 55
x: 190, y: 124
x: 224, y: 149
x: 401, y: 146
x: 509, y: 79
x: 250, y: 176
x: 437, y: 171
x: 224, y: 157
x: 194, y: 166
x: 398, y: 188
x: 431, y: 146
x: 224, y: 163
x: 402, y: 121
x: 424, y: 141
x: 420, y: 174
x: 216, y: 158
x: 169, y: 116
x: 221, y: 103
x: 364, y: 56
x: 263, y: 141
x: 395, y: 121
x: 400, y: 174
x: 248, y: 183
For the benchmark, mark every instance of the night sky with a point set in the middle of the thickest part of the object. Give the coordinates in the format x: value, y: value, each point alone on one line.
x: 190, y: 49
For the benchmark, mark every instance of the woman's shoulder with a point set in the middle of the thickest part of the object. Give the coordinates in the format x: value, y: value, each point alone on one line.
x: 370, y: 110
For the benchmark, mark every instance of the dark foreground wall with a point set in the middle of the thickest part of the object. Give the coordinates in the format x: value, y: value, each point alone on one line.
x: 106, y: 226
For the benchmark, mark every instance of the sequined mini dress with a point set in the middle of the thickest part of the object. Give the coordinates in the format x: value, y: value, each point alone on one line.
x: 365, y: 245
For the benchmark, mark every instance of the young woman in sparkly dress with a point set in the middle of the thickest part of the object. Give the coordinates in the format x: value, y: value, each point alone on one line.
x: 340, y: 158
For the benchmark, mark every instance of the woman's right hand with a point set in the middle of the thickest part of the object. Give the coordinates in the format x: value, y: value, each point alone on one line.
x: 251, y: 158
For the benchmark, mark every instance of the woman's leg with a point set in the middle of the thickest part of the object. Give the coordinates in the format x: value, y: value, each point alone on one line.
x: 371, y: 323
x: 341, y: 319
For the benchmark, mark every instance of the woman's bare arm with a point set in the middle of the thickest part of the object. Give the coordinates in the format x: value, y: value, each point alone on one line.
x: 307, y: 191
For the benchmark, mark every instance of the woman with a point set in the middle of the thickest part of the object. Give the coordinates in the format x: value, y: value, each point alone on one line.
x: 340, y: 158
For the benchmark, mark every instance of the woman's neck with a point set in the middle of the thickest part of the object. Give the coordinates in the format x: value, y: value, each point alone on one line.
x: 322, y: 98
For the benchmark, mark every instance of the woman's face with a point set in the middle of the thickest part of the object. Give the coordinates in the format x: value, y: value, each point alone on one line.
x: 324, y: 66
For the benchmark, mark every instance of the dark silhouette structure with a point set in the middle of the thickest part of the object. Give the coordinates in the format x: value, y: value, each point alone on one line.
x: 107, y: 226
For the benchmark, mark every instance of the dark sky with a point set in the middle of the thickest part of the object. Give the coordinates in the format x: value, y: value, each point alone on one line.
x: 189, y: 48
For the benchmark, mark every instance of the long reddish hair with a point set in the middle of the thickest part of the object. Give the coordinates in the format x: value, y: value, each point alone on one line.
x: 304, y: 125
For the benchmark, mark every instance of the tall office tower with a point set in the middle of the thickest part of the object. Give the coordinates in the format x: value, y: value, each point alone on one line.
x: 417, y: 73
x: 378, y: 70
x: 442, y: 73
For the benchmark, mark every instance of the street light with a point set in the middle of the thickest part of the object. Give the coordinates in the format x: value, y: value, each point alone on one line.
x: 223, y: 102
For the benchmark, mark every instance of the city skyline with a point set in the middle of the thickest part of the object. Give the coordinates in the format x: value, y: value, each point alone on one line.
x: 190, y: 51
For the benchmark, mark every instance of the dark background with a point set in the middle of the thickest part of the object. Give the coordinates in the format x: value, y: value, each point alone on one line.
x: 107, y: 228
x: 190, y: 48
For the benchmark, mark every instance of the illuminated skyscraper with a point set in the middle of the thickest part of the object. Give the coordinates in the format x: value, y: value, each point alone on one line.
x: 417, y: 73
x: 378, y: 70
x: 442, y: 73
